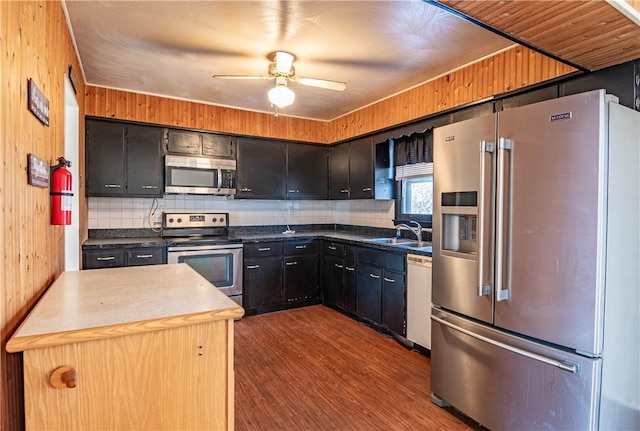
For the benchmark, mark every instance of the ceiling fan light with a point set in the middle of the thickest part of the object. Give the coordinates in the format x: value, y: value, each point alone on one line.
x: 283, y: 61
x: 281, y: 96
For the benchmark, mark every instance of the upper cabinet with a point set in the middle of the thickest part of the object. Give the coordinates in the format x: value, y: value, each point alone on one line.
x: 261, y: 169
x: 123, y: 159
x: 193, y: 143
x: 351, y: 170
x: 307, y: 171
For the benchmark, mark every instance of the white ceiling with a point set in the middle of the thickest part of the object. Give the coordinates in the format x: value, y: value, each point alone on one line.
x: 172, y: 48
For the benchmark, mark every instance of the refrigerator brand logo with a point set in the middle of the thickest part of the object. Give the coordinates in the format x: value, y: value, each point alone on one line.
x: 560, y: 117
x: 449, y: 138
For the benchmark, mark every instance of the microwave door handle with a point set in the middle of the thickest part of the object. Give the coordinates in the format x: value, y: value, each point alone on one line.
x: 219, y: 179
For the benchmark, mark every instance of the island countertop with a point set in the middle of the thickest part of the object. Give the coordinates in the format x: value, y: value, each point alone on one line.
x: 103, y: 303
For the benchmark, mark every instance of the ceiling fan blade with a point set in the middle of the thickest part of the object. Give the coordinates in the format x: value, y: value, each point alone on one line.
x: 321, y: 83
x: 242, y: 77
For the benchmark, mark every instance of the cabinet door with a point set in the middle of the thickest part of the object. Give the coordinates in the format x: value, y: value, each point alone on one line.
x: 261, y: 169
x: 332, y: 281
x: 361, y: 172
x: 369, y: 292
x: 307, y: 171
x: 393, y: 301
x: 217, y: 145
x: 184, y: 142
x: 262, y: 282
x: 105, y: 158
x: 300, y: 277
x: 350, y: 278
x: 339, y: 172
x: 145, y: 168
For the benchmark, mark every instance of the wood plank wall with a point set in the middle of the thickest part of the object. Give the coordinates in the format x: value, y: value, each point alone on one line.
x: 35, y: 44
x: 123, y: 105
x: 507, y: 71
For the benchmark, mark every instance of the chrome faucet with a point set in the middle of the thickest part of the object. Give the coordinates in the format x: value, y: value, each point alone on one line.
x: 417, y: 230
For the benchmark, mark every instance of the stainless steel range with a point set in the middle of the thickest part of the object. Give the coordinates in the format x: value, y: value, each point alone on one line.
x: 202, y: 241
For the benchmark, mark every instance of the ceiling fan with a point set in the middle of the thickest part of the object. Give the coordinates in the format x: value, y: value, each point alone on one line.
x: 282, y: 70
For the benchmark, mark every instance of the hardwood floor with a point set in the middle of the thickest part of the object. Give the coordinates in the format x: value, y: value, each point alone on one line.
x: 312, y: 368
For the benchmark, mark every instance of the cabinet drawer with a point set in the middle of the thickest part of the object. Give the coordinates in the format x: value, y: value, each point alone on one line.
x: 394, y: 261
x: 332, y: 248
x: 145, y: 256
x: 263, y: 249
x: 300, y: 247
x: 95, y: 259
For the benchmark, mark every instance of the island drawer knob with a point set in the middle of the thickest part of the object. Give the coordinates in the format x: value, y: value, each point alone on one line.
x: 63, y: 377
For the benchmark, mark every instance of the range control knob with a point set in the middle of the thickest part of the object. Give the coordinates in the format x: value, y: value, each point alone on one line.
x: 214, y: 220
x: 221, y: 219
x: 171, y: 220
x: 179, y: 220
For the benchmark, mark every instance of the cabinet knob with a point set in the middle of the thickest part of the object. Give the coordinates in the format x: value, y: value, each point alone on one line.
x: 63, y: 377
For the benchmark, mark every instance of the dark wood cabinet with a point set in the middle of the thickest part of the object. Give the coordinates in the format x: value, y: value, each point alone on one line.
x: 105, y: 156
x: 145, y: 167
x: 351, y: 170
x: 123, y: 159
x: 394, y: 301
x: 262, y: 274
x: 261, y: 169
x: 338, y: 275
x: 301, y: 281
x: 361, y: 169
x: 307, y: 171
x: 280, y: 274
x: 369, y: 292
x: 381, y: 288
x: 119, y: 256
x: 194, y: 143
x: 262, y: 282
x: 339, y: 171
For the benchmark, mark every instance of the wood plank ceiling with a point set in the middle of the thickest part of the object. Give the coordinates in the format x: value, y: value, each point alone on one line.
x: 590, y: 34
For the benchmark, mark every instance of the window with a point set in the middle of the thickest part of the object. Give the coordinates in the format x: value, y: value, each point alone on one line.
x: 414, y: 193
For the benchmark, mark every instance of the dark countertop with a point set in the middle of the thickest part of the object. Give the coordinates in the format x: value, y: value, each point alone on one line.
x: 98, y: 243
x: 351, y: 237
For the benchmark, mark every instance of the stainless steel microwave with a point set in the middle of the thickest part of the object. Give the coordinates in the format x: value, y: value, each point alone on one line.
x: 199, y: 175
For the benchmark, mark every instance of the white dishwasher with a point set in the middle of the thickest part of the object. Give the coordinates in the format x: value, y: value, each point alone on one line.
x: 419, y: 300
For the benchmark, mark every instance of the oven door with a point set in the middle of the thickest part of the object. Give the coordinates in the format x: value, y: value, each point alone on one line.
x: 220, y: 264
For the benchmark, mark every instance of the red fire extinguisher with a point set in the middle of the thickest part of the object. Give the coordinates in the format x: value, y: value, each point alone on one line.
x: 61, y: 193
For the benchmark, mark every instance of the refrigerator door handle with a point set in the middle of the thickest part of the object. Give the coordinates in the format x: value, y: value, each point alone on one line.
x: 502, y: 286
x: 563, y: 365
x: 483, y: 289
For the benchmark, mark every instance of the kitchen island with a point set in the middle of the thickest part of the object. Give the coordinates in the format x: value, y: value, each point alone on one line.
x: 147, y: 347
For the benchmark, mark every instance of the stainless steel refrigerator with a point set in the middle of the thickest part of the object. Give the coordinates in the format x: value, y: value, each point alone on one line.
x: 536, y: 249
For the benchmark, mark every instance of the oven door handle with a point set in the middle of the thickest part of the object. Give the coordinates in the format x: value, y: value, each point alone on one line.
x: 204, y: 248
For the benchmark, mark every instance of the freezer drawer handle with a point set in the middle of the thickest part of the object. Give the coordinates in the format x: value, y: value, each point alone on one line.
x: 563, y: 365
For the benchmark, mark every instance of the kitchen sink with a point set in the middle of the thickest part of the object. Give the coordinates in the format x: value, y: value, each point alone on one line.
x: 417, y: 245
x: 402, y: 242
x: 397, y: 241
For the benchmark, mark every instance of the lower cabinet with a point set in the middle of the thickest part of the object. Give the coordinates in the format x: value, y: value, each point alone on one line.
x: 381, y: 288
x: 338, y: 275
x: 366, y: 282
x: 116, y: 257
x: 280, y: 274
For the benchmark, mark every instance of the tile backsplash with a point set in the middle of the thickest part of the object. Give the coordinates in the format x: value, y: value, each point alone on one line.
x: 138, y: 213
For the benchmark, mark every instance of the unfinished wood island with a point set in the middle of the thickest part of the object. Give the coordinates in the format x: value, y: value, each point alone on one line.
x: 147, y: 347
